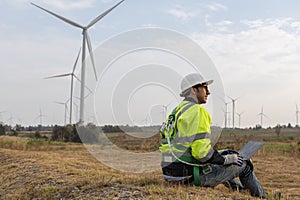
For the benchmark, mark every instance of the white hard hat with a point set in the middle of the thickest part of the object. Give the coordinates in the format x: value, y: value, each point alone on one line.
x: 191, y: 80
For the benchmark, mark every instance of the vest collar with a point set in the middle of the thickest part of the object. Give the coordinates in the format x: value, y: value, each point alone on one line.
x: 190, y: 99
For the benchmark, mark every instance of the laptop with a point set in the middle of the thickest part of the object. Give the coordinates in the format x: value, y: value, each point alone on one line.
x: 250, y: 149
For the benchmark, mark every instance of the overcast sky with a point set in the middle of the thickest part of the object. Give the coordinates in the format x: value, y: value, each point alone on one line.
x: 254, y: 45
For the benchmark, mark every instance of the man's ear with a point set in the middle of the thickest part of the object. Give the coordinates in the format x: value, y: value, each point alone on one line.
x: 193, y: 90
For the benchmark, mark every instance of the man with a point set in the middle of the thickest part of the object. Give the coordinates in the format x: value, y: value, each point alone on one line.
x: 187, y: 153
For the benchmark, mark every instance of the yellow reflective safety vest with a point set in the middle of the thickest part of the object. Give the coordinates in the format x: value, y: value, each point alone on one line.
x: 189, y: 135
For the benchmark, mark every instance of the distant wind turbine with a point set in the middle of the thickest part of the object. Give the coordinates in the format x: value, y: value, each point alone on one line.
x: 297, y: 117
x: 261, y: 116
x: 85, y: 40
x: 76, y: 111
x: 240, y: 116
x: 65, y: 104
x: 72, y: 74
x: 40, y: 116
x: 226, y: 114
x: 165, y: 109
x: 146, y: 119
x: 233, y: 108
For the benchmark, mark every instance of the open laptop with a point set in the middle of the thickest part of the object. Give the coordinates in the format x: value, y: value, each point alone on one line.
x: 250, y: 149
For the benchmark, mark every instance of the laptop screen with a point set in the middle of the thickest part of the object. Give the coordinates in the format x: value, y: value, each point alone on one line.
x: 249, y: 149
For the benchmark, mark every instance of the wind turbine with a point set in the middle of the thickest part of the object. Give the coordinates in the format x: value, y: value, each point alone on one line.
x: 165, y: 109
x: 65, y: 104
x: 76, y: 111
x: 41, y: 116
x: 261, y: 116
x: 225, y: 114
x: 240, y: 116
x: 146, y: 119
x: 233, y: 108
x: 85, y: 40
x: 72, y: 74
x: 297, y: 117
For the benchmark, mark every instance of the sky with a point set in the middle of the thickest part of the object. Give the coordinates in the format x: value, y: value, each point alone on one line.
x: 254, y: 46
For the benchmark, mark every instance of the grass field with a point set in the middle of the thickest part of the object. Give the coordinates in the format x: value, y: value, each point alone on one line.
x: 36, y: 169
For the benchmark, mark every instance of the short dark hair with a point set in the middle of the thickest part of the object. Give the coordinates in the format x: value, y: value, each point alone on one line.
x: 200, y: 85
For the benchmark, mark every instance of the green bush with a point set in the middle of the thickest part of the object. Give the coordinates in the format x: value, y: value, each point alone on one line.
x: 65, y: 134
x: 37, y: 134
x: 36, y: 142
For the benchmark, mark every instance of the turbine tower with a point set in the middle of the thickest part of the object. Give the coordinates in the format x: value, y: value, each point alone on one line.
x: 164, y: 112
x: 261, y: 116
x: 240, y: 116
x: 233, y: 109
x: 146, y: 119
x: 72, y: 74
x: 226, y: 114
x: 65, y: 104
x: 85, y: 40
x: 297, y: 117
x: 40, y: 116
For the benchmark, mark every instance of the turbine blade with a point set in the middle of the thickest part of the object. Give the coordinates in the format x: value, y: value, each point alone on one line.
x: 57, y: 76
x: 84, y: 86
x: 297, y: 108
x: 237, y: 98
x: 76, y: 61
x: 91, y: 92
x: 77, y: 78
x: 230, y: 98
x: 91, y: 54
x: 57, y: 102
x: 266, y: 116
x: 102, y: 15
x: 60, y: 17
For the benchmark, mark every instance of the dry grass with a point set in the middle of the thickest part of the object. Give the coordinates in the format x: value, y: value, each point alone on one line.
x: 68, y: 171
x: 77, y: 175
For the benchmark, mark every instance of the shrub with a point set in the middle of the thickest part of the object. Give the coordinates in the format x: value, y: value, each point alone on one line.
x: 65, y: 134
x: 37, y: 134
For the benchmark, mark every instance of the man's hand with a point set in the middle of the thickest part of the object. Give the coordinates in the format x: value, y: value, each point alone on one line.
x: 233, y: 159
x: 227, y: 151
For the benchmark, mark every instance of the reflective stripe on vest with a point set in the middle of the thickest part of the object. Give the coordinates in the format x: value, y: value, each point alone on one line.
x: 188, y: 139
x: 192, y: 138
